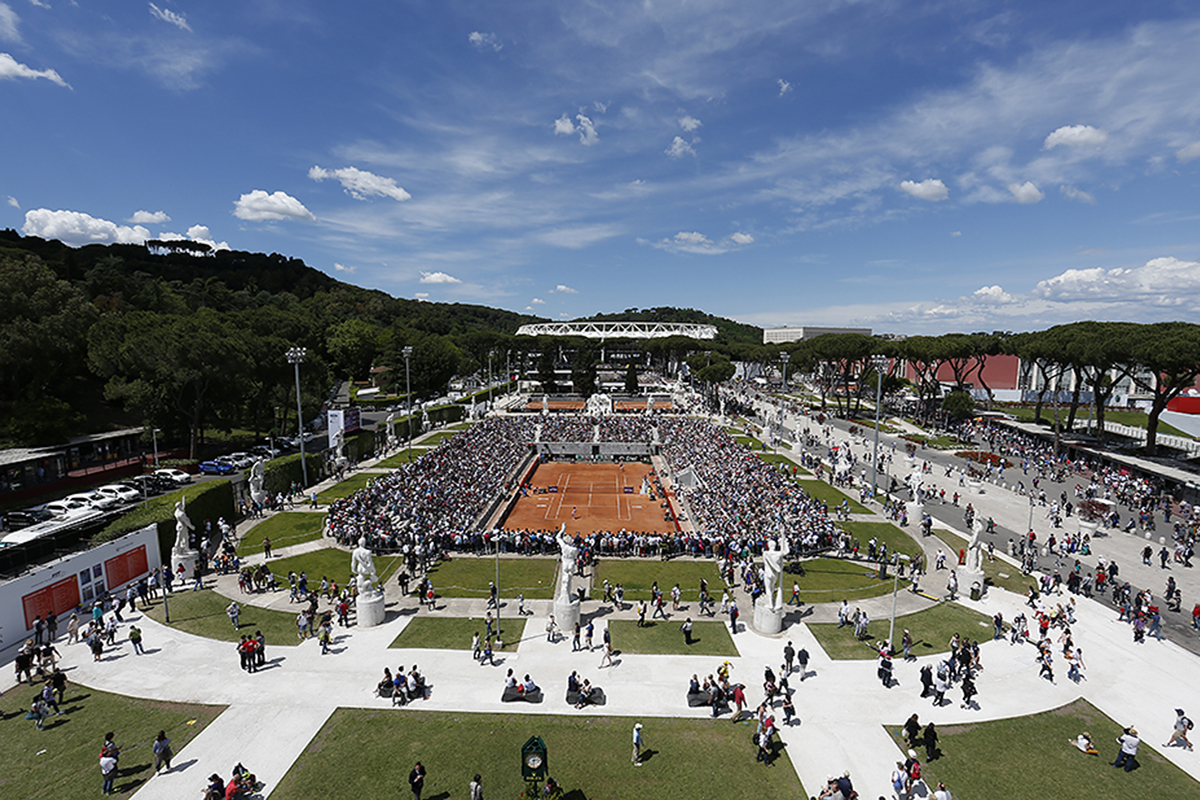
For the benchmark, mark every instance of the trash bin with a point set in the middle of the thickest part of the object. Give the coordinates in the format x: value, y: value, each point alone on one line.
x: 976, y: 590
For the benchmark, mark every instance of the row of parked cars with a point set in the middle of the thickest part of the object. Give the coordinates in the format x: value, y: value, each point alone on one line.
x: 236, y: 462
x: 95, y: 502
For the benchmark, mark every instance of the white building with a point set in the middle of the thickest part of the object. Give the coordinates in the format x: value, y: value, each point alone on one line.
x: 790, y: 334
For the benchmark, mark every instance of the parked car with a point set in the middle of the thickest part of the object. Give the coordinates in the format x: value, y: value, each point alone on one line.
x: 263, y: 451
x: 15, y: 520
x: 177, y: 475
x: 241, y: 460
x: 216, y: 467
x: 147, y: 484
x: 62, y: 509
x: 122, y: 493
x: 95, y: 499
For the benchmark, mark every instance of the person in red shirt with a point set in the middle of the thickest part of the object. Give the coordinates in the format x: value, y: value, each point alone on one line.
x: 1196, y: 617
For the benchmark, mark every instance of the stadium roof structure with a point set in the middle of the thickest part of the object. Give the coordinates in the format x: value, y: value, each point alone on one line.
x: 620, y: 330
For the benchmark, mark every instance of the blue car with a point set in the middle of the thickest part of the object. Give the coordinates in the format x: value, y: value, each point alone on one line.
x: 216, y: 468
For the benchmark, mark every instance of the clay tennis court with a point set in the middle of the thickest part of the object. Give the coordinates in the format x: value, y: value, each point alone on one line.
x: 590, y: 497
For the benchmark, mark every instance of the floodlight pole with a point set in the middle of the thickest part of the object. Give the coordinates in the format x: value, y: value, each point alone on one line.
x: 408, y: 351
x: 490, y: 379
x: 895, y: 589
x: 154, y: 434
x: 784, y: 358
x: 295, y: 357
x: 878, y: 362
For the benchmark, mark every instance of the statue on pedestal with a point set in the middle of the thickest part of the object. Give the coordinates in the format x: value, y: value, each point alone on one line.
x: 257, y: 493
x: 570, y: 554
x: 773, y: 556
x: 390, y: 427
x: 974, y: 562
x: 362, y: 566
x: 183, y: 529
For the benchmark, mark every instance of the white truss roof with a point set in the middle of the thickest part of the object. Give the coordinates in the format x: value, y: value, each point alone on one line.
x: 619, y: 330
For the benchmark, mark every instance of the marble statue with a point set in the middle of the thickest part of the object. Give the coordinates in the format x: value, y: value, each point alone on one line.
x: 545, y: 404
x: 773, y: 557
x: 183, y: 528
x: 570, y: 554
x: 257, y: 493
x: 974, y: 563
x: 390, y: 427
x: 362, y: 565
x: 915, y: 481
x: 425, y: 424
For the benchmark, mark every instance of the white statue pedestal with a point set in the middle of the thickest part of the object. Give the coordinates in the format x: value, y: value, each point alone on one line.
x: 188, y: 559
x: 767, y: 619
x: 966, y: 577
x: 369, y: 609
x: 566, y: 614
x: 976, y: 487
x: 915, y: 512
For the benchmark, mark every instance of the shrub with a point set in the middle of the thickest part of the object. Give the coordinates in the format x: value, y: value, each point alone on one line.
x: 280, y: 473
x: 210, y: 500
x: 360, y: 445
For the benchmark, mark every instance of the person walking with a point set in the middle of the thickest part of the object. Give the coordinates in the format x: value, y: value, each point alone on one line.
x: 476, y: 788
x: 162, y: 752
x: 638, y: 743
x: 686, y: 627
x: 1180, y: 734
x: 108, y: 771
x: 135, y: 639
x: 233, y: 610
x: 416, y: 780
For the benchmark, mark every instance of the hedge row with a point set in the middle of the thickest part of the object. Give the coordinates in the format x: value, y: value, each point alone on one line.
x: 280, y: 473
x: 360, y: 445
x: 379, y: 403
x: 482, y: 395
x: 210, y: 500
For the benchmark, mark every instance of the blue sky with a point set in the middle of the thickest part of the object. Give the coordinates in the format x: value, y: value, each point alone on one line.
x: 910, y: 166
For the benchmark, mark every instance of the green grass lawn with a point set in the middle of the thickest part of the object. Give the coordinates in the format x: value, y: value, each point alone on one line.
x: 831, y: 580
x: 401, y: 458
x: 1029, y: 758
x: 996, y: 573
x: 285, y: 529
x: 587, y: 755
x: 895, y: 538
x: 469, y: 577
x: 750, y: 443
x: 434, y: 439
x: 777, y: 458
x: 203, y: 614
x: 639, y: 576
x: 709, y: 637
x: 820, y: 490
x: 330, y: 563
x: 454, y: 633
x: 59, y: 763
x: 347, y: 487
x: 1134, y: 419
x: 931, y: 630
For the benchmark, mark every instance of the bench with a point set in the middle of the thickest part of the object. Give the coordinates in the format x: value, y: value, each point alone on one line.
x: 511, y: 695
x: 595, y: 697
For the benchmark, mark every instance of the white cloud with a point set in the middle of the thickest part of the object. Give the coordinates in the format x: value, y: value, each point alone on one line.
x: 77, y: 228
x: 562, y: 289
x: 149, y: 218
x: 689, y: 123
x: 1161, y: 282
x: 699, y: 244
x: 481, y: 41
x: 1076, y: 136
x: 201, y: 233
x: 344, y: 268
x: 1026, y: 193
x: 955, y: 233
x: 577, y: 236
x: 587, y: 131
x: 680, y: 148
x: 1189, y: 153
x: 1073, y: 193
x: 993, y: 294
x: 39, y: 3
x: 167, y: 15
x: 563, y: 126
x: 258, y: 206
x: 438, y: 277
x: 12, y: 201
x: 930, y: 189
x: 422, y: 296
x: 784, y: 87
x: 537, y: 301
x: 601, y: 107
x: 8, y: 24
x: 11, y: 68
x: 361, y: 184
